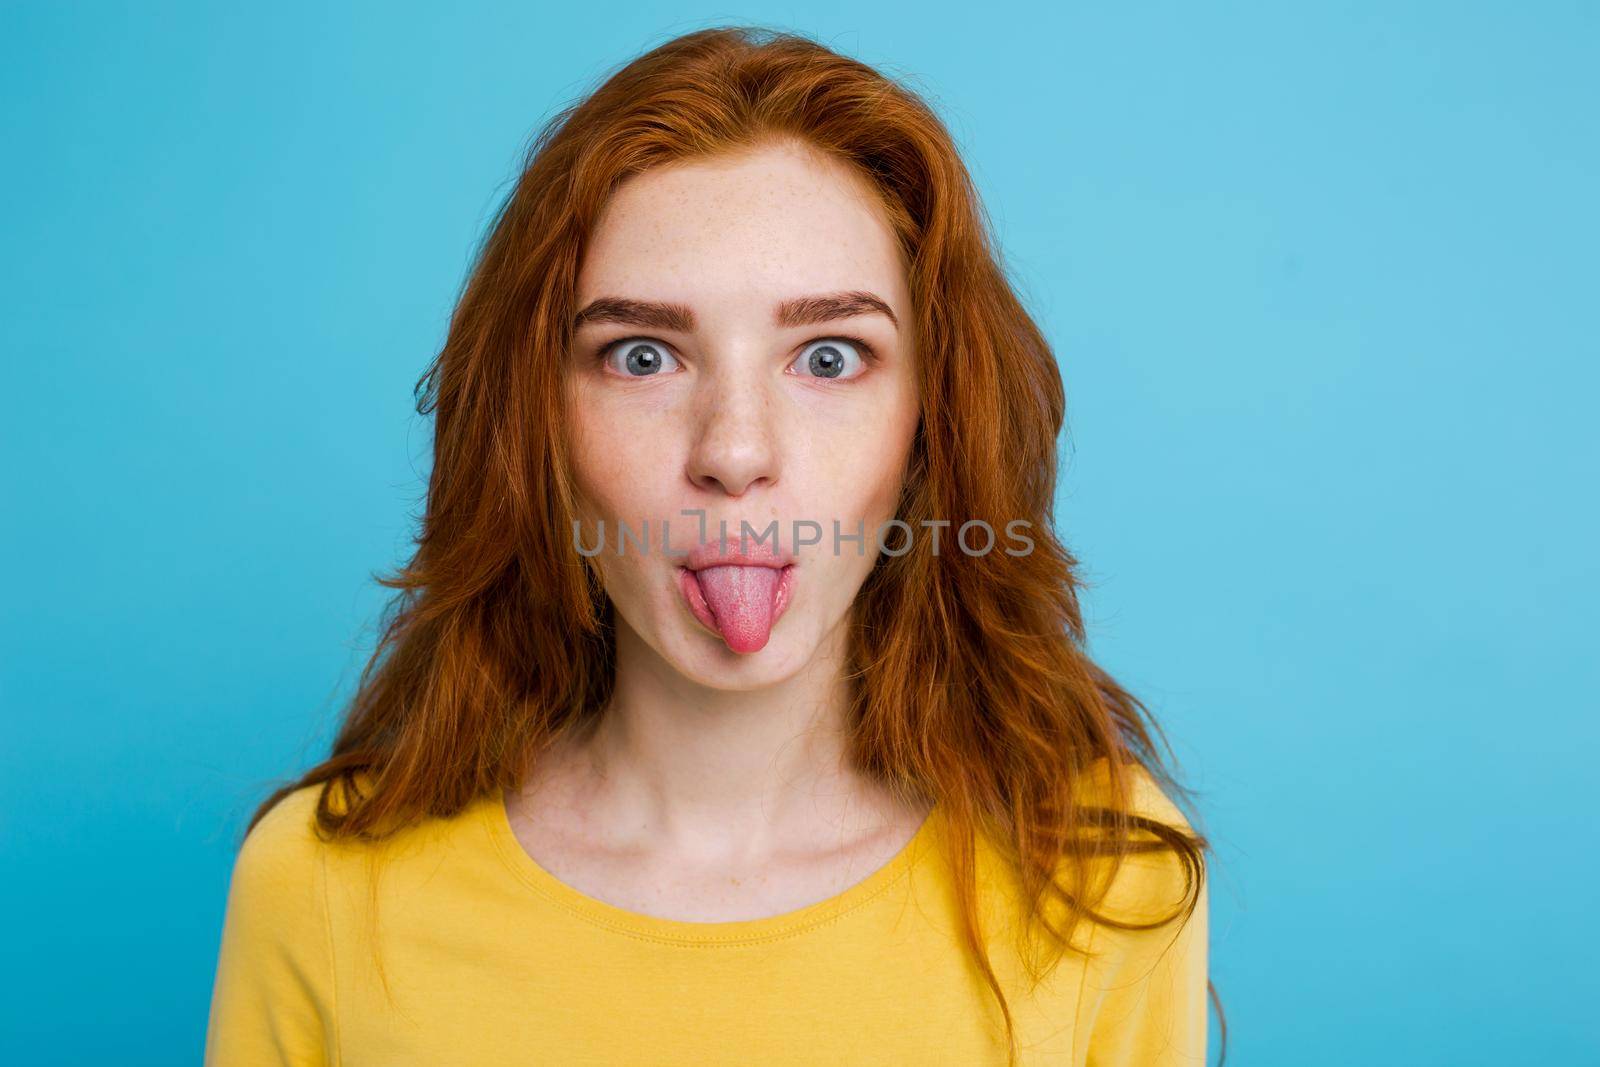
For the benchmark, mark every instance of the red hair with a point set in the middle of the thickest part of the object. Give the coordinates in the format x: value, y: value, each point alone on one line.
x: 970, y: 682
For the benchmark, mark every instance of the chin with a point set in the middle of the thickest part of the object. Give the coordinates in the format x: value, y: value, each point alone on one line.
x: 703, y: 657
x: 713, y: 664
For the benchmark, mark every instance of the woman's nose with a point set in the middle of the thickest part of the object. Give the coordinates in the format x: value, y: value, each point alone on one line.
x: 735, y: 437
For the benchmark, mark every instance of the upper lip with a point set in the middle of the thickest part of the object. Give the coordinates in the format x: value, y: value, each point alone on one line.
x: 732, y: 554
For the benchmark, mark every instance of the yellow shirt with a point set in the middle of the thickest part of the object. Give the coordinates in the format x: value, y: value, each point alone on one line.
x: 492, y: 960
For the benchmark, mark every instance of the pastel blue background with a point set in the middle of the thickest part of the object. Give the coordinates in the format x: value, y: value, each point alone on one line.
x: 1323, y: 286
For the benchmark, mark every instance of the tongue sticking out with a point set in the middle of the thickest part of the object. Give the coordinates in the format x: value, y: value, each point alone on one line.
x: 741, y: 601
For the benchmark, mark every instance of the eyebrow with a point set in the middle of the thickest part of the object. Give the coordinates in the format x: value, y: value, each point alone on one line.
x: 798, y: 311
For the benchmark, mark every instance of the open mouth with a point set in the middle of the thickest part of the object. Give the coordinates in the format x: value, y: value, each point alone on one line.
x: 738, y: 602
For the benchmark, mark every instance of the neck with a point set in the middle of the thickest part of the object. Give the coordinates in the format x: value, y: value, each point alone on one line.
x: 676, y: 766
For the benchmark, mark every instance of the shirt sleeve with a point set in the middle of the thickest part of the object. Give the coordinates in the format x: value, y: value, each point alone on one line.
x: 1151, y: 992
x: 272, y: 999
x: 1145, y: 991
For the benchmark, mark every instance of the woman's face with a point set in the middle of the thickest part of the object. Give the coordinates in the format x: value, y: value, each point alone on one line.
x: 713, y: 369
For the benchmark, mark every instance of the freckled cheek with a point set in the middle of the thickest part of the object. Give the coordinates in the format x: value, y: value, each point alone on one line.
x: 618, y: 470
x: 599, y: 459
x: 858, y: 474
x: 623, y: 465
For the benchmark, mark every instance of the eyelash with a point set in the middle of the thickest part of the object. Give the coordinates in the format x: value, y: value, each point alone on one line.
x: 869, y: 355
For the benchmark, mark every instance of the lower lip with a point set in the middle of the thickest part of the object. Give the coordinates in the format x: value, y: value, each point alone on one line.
x: 689, y: 586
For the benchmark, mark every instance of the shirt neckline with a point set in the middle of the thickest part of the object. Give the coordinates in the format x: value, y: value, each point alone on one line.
x: 496, y: 821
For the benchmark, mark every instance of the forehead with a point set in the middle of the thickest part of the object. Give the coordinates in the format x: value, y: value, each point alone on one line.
x: 777, y: 220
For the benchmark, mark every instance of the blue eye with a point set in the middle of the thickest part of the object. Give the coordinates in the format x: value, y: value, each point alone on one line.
x: 832, y: 358
x: 640, y: 358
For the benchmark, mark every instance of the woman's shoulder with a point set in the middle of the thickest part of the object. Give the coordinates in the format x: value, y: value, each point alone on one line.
x: 276, y: 902
x: 1152, y: 882
x: 289, y: 846
x: 272, y: 995
x: 1145, y: 793
x: 283, y: 848
x: 1144, y: 985
x: 1143, y: 882
x: 288, y: 839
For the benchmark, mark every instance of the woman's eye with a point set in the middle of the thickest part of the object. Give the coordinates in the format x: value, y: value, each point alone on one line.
x: 835, y: 357
x: 636, y: 359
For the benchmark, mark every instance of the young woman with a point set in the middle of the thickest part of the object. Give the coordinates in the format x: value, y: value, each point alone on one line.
x: 625, y: 784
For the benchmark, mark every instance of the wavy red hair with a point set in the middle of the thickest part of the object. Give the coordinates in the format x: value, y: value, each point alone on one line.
x: 971, y: 685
